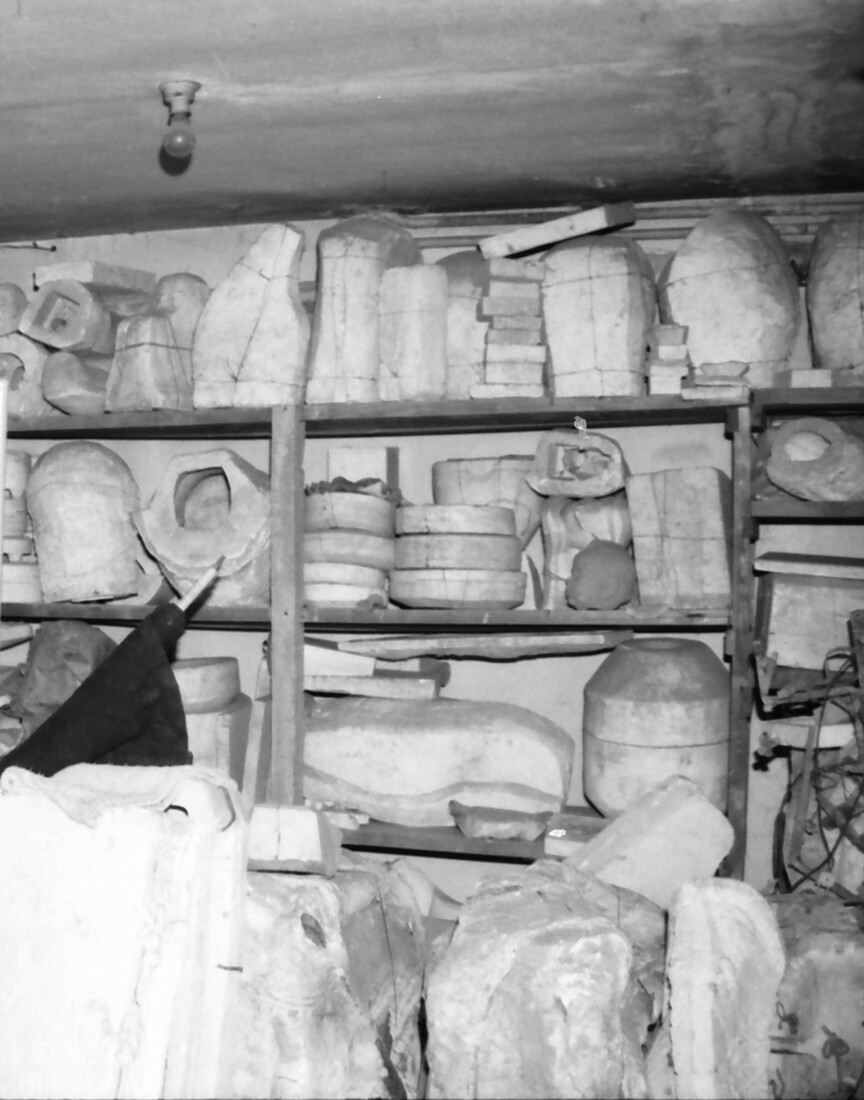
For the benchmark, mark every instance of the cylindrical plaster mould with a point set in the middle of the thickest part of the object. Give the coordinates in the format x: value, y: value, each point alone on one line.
x: 656, y: 707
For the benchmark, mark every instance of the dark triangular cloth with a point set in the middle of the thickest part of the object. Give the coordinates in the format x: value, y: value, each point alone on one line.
x: 127, y: 711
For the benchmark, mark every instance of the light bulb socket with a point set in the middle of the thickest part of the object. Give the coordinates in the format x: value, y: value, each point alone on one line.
x: 178, y: 96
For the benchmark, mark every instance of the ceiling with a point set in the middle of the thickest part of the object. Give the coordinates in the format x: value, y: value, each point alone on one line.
x: 314, y: 108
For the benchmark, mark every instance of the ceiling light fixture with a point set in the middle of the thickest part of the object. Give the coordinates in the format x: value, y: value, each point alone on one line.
x: 178, y: 96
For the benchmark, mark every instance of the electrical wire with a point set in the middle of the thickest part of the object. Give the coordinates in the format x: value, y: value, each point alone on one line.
x: 820, y: 780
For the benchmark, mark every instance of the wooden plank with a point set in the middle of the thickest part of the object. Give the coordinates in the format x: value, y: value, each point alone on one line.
x: 502, y: 414
x: 493, y: 646
x: 811, y: 565
x: 256, y: 763
x: 559, y: 229
x: 206, y: 617
x: 740, y: 641
x: 160, y: 424
x: 449, y: 840
x: 807, y: 511
x: 445, y: 840
x: 791, y: 402
x: 286, y: 654
x: 453, y: 619
x: 377, y: 418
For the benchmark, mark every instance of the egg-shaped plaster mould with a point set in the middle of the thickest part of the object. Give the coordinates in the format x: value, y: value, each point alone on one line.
x: 81, y: 497
x: 731, y: 283
x: 835, y: 293
x: 599, y: 304
x: 209, y: 505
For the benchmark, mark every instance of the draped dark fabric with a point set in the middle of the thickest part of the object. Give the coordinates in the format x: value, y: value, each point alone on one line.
x: 127, y: 711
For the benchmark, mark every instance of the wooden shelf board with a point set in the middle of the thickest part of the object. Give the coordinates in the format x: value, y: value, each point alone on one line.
x: 227, y: 617
x: 379, y: 418
x: 798, y: 402
x: 449, y: 840
x: 441, y: 840
x: 417, y: 417
x: 453, y: 620
x: 159, y: 424
x: 514, y: 414
x: 805, y: 511
x: 386, y: 620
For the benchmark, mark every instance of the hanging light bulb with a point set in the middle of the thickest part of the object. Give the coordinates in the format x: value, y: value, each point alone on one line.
x: 178, y: 96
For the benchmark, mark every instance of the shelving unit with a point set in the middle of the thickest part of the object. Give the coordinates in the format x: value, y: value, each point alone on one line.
x: 778, y: 404
x: 287, y: 430
x: 774, y: 506
x: 281, y: 426
x: 470, y: 417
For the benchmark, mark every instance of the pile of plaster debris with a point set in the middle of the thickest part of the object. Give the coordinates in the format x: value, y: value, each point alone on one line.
x: 151, y: 949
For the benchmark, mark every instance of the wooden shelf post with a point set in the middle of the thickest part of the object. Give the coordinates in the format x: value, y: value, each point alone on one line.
x: 286, y: 655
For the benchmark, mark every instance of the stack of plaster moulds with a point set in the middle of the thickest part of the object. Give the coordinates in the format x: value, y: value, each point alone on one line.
x: 668, y: 362
x: 457, y: 556
x: 515, y: 353
x: 20, y: 570
x: 348, y: 549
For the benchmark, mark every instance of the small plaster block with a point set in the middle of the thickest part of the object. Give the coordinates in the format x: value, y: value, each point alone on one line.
x: 670, y: 835
x: 805, y: 379
x: 505, y: 267
x: 667, y: 370
x: 296, y: 837
x: 515, y: 353
x: 667, y: 336
x: 848, y: 377
x: 510, y: 374
x: 514, y: 288
x: 494, y: 390
x: 523, y: 322
x: 734, y: 394
x: 506, y: 306
x: 671, y: 353
x: 523, y: 336
x: 665, y: 384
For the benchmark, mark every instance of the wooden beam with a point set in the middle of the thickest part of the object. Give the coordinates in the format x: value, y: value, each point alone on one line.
x: 286, y: 583
x: 740, y: 639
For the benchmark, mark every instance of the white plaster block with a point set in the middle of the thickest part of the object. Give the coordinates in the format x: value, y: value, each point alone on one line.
x: 412, y: 313
x: 598, y: 308
x: 250, y: 342
x: 296, y: 836
x: 670, y: 835
x: 724, y: 966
